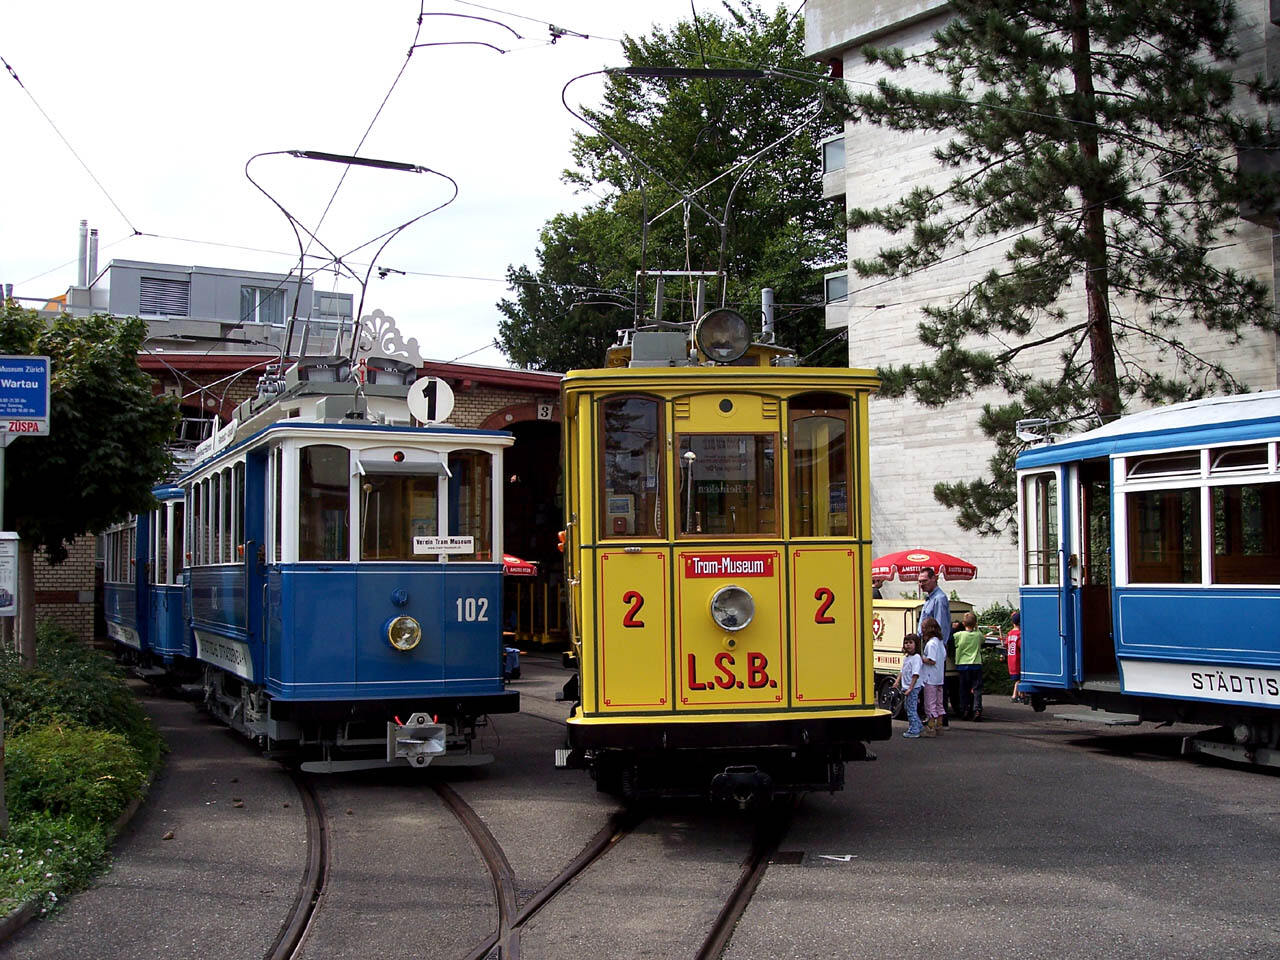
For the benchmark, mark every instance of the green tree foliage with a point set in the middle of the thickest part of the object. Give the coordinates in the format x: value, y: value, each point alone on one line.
x: 108, y: 432
x: 1097, y: 139
x: 690, y: 134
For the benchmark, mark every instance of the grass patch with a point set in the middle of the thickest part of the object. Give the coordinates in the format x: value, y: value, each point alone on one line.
x: 79, y: 749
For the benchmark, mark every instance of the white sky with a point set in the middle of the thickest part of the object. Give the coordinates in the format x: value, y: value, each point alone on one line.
x: 165, y: 101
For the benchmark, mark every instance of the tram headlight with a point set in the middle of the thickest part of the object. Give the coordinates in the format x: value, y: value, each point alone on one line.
x: 722, y: 335
x: 732, y: 608
x: 404, y: 633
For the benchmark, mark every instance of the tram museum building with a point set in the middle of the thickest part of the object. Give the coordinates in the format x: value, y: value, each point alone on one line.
x: 213, y: 332
x: 913, y: 447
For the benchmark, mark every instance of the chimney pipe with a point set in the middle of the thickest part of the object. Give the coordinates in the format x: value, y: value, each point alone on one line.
x: 82, y: 279
x: 93, y: 257
x: 766, y: 313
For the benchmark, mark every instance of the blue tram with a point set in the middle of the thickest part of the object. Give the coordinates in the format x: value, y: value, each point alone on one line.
x: 341, y: 574
x: 143, y: 575
x: 1150, y: 570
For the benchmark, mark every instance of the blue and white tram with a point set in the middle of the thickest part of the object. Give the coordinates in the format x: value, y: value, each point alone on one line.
x: 143, y: 586
x: 123, y: 587
x: 1150, y: 570
x: 344, y: 575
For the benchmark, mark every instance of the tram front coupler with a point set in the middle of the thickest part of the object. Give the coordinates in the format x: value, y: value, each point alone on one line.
x: 746, y: 785
x: 418, y: 741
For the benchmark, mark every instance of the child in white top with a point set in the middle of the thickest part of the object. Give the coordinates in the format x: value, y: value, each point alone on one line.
x: 909, y: 683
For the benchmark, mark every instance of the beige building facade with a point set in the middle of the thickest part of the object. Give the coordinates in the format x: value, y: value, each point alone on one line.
x: 913, y: 447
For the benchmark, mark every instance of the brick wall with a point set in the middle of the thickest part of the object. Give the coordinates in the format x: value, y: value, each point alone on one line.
x: 65, y: 593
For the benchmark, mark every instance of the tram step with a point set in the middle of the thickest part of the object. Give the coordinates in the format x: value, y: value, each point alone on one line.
x: 1102, y: 717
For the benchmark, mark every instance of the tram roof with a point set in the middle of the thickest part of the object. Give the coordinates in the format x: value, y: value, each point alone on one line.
x: 335, y: 428
x: 1237, y: 418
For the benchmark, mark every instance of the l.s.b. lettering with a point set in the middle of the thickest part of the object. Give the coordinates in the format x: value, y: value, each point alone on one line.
x: 726, y: 676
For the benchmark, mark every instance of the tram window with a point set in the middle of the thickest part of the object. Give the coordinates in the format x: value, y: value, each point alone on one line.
x: 820, y: 472
x: 159, y: 545
x: 1164, y: 536
x: 215, y: 516
x: 179, y: 539
x: 1040, y: 529
x: 1239, y: 460
x: 237, y: 506
x: 194, y: 540
x: 727, y: 485
x: 631, y: 480
x: 395, y: 508
x: 1246, y: 533
x: 277, y: 503
x: 323, y: 501
x: 224, y: 521
x: 471, y: 501
x: 1185, y: 464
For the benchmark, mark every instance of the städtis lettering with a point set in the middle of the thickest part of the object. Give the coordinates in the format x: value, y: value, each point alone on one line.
x: 1222, y: 682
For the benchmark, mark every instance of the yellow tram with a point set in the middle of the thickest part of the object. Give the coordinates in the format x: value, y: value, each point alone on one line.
x: 718, y: 553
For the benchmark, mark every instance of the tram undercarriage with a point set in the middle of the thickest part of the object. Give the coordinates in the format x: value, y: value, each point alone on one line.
x: 339, y: 736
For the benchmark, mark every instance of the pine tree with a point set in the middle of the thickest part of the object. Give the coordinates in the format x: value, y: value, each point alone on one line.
x: 687, y: 134
x: 1097, y: 141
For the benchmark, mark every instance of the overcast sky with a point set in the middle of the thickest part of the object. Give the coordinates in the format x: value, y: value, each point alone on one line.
x: 165, y: 102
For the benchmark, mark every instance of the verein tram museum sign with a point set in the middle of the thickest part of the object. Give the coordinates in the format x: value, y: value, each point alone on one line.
x: 24, y: 412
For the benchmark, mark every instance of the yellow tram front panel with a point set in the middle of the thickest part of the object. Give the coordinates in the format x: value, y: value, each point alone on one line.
x: 632, y: 618
x: 718, y: 669
x: 828, y: 662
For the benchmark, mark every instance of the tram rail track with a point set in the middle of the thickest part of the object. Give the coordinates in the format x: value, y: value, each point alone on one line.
x: 504, y: 942
x: 311, y: 887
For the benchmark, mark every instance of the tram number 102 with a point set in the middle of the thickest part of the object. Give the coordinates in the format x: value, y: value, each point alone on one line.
x: 473, y: 609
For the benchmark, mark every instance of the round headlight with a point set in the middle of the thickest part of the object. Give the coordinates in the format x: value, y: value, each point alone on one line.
x: 732, y: 608
x: 404, y: 633
x: 722, y: 335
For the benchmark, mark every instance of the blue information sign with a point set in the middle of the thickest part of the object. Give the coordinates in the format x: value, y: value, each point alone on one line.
x: 24, y: 393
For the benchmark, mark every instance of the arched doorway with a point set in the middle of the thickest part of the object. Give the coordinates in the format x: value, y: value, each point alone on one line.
x: 533, y: 505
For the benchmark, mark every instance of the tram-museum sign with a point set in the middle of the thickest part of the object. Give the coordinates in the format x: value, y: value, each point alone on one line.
x: 24, y: 397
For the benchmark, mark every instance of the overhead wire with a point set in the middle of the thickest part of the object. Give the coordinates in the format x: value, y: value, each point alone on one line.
x: 92, y: 176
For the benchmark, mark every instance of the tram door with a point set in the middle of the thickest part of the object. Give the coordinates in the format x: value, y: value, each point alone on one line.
x: 1089, y: 566
x: 1049, y: 649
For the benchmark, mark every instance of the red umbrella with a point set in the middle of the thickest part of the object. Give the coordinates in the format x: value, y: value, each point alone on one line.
x: 906, y: 565
x: 515, y: 567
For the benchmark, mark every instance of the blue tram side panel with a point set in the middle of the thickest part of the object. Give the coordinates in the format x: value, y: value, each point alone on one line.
x: 337, y: 574
x: 143, y: 576
x: 1150, y: 570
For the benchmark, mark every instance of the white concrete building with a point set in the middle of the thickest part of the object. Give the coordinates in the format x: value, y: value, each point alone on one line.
x: 913, y: 447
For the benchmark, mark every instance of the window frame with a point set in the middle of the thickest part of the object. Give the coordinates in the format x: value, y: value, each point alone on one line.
x: 1204, y: 481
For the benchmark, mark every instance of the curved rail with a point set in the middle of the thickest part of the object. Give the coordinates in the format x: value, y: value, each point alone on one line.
x: 311, y: 887
x: 506, y: 939
x: 769, y: 833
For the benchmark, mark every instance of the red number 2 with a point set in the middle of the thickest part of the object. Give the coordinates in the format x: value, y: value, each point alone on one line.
x: 827, y: 598
x: 636, y: 601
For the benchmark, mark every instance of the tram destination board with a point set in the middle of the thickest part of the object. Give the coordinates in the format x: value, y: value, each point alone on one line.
x: 24, y: 397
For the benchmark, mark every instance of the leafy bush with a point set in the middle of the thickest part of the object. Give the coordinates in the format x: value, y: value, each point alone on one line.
x: 74, y: 683
x: 995, y: 671
x: 45, y: 856
x: 61, y: 768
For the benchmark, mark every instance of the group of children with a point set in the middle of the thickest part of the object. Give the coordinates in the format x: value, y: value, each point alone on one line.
x: 924, y: 665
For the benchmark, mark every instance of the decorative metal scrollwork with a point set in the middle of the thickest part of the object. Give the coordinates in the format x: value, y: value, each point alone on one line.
x: 380, y: 337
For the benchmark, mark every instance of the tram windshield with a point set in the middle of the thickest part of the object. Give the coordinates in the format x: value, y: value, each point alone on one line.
x: 820, y: 470
x: 325, y: 477
x: 727, y: 484
x: 631, y: 479
x: 395, y: 508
